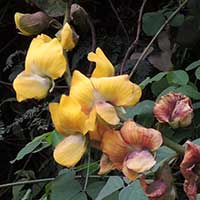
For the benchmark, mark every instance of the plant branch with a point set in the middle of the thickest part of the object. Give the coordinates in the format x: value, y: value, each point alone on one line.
x: 93, y: 34
x: 44, y: 180
x: 119, y: 19
x: 156, y: 35
x: 134, y: 43
x: 88, y: 169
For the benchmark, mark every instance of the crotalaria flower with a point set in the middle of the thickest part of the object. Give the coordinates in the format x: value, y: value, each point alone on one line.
x: 70, y: 150
x: 100, y: 96
x: 162, y: 187
x: 190, y: 169
x: 44, y: 63
x: 175, y: 109
x: 104, y: 67
x: 131, y: 149
x: 32, y: 24
x: 67, y: 37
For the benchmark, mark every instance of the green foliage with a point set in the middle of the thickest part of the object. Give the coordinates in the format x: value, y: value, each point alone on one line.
x: 65, y: 187
x: 132, y: 191
x: 113, y: 184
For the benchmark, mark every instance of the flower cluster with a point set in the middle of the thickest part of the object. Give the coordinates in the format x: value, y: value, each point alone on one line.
x: 92, y: 111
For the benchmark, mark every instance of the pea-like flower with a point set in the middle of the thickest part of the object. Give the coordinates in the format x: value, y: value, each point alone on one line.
x: 70, y: 150
x: 67, y: 37
x: 190, y: 169
x: 32, y: 24
x: 131, y: 149
x: 44, y: 63
x: 175, y: 109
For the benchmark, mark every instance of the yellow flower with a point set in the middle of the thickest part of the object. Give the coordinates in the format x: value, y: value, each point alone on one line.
x: 101, y: 95
x: 44, y: 63
x: 104, y: 67
x: 31, y: 24
x: 67, y: 37
x: 68, y: 117
x: 69, y: 151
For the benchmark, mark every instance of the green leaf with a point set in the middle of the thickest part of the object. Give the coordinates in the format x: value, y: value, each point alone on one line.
x: 166, y: 91
x: 156, y: 78
x: 55, y: 138
x: 152, y: 21
x: 80, y: 196
x: 197, y: 73
x: 113, y: 184
x: 177, y: 20
x: 189, y: 91
x: 162, y: 154
x: 53, y: 8
x: 30, y: 147
x: 65, y: 187
x: 196, y: 141
x: 93, y: 189
x: 178, y: 77
x: 132, y: 191
x: 193, y: 65
x: 143, y: 111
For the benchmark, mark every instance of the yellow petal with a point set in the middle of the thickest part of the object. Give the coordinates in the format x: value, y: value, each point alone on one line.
x: 68, y: 117
x: 107, y: 112
x: 28, y: 86
x: 54, y: 110
x: 103, y: 67
x: 118, y: 90
x: 82, y: 90
x: 69, y: 151
x: 45, y: 57
x: 66, y: 37
x: 18, y: 24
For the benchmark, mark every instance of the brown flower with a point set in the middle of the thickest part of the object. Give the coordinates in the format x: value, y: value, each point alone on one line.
x: 190, y: 169
x: 130, y: 149
x: 162, y: 187
x: 175, y: 109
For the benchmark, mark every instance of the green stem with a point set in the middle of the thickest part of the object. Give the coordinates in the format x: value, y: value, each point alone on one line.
x: 88, y: 169
x: 66, y: 18
x: 173, y: 145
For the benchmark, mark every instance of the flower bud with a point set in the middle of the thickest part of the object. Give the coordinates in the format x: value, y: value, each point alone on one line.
x: 67, y: 37
x: 32, y: 24
x: 174, y: 109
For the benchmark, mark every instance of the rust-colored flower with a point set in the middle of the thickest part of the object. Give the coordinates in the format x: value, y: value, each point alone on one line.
x: 175, y: 109
x: 190, y: 169
x: 131, y: 149
x: 162, y: 187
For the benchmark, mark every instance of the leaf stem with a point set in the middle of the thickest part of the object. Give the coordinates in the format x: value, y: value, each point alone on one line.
x: 173, y: 145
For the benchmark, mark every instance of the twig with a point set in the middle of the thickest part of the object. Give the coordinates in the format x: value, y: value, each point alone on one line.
x: 43, y: 180
x: 156, y: 35
x: 88, y: 170
x: 134, y: 43
x: 93, y: 34
x: 119, y: 19
x: 5, y: 83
